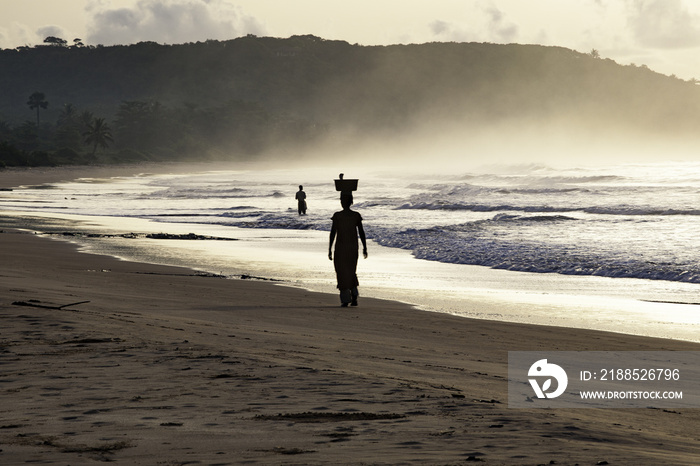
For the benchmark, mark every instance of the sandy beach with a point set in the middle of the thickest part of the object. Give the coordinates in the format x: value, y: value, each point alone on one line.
x: 108, y: 360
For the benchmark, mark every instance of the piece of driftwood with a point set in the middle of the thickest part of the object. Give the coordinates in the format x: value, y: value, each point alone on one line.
x: 44, y: 306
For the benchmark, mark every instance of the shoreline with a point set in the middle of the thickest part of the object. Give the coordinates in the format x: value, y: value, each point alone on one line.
x: 594, y: 303
x: 142, y: 363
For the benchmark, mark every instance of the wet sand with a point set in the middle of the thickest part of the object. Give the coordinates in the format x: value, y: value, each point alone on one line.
x: 161, y: 365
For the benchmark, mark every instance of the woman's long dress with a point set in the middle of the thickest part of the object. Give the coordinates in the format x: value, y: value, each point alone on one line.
x: 346, y: 248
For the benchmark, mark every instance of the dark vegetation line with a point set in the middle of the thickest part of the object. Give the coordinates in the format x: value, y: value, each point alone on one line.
x: 241, y: 98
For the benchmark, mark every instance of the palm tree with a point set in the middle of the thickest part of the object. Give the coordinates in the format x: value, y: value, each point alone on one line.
x: 37, y: 101
x: 68, y: 116
x: 98, y: 134
x: 69, y: 129
x: 5, y: 130
x: 86, y: 117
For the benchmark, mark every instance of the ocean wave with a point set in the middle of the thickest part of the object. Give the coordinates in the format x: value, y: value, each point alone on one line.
x: 532, y: 218
x: 284, y: 222
x: 443, y: 205
x: 583, y: 179
x: 241, y: 207
x: 179, y: 214
x: 504, y: 241
x: 484, y: 243
x: 640, y: 211
x: 542, y: 190
x: 455, y: 245
x: 242, y: 214
x: 210, y: 193
x: 540, y: 178
x: 620, y: 210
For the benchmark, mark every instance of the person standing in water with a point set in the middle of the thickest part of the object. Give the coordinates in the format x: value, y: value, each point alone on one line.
x: 347, y: 225
x: 301, y: 199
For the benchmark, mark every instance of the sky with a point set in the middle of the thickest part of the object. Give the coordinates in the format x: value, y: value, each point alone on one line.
x: 663, y: 35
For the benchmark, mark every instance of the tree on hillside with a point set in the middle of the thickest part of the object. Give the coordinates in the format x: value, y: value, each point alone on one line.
x: 142, y: 124
x: 11, y: 156
x: 37, y: 101
x: 5, y: 130
x: 98, y: 134
x: 69, y: 128
x: 27, y: 136
x: 86, y: 117
x: 55, y: 41
x: 68, y: 114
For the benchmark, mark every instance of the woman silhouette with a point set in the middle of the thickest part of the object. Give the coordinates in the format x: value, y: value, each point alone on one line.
x: 347, y: 224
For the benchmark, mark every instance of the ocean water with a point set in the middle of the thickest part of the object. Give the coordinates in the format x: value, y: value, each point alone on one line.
x: 612, y: 248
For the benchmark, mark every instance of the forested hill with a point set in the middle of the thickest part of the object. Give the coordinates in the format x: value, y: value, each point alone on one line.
x: 250, y: 94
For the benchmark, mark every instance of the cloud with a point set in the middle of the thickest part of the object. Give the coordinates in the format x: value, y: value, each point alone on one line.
x: 492, y: 27
x: 498, y: 27
x: 440, y: 27
x: 18, y: 34
x: 55, y: 31
x: 666, y: 24
x: 169, y: 21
